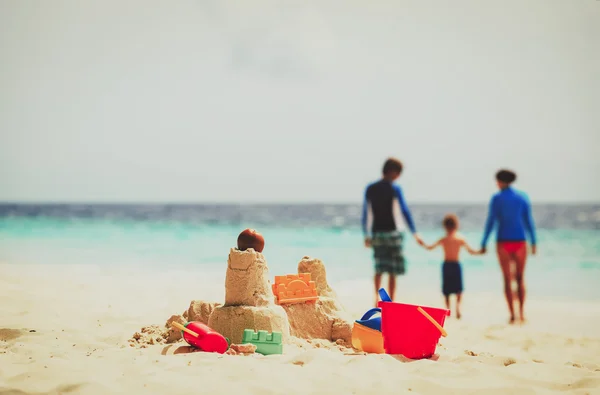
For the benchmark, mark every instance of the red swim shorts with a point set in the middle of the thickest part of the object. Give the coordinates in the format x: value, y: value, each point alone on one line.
x: 511, y: 247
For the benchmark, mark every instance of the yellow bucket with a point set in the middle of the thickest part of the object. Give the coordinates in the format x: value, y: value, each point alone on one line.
x: 367, y: 339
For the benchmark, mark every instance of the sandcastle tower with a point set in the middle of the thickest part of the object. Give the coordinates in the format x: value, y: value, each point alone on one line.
x: 249, y: 300
x: 325, y: 319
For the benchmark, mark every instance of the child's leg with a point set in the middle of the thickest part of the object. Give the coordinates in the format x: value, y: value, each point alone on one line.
x: 392, y: 284
x: 447, y: 297
x: 377, y: 281
x: 458, y: 297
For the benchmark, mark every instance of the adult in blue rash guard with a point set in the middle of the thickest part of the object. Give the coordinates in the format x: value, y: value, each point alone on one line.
x: 510, y: 210
x: 383, y: 227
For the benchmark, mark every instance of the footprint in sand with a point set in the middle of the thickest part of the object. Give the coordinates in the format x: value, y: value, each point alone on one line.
x: 509, y: 361
x: 7, y: 334
x: 537, y: 360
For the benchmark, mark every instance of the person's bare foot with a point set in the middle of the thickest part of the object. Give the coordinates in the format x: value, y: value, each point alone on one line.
x: 512, y: 320
x: 458, y: 315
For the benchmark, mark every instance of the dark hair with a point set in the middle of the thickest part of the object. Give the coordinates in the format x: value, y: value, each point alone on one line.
x: 506, y: 176
x: 450, y: 222
x: 392, y: 165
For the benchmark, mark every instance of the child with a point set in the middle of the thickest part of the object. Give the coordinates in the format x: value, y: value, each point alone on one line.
x: 382, y: 227
x: 451, y: 270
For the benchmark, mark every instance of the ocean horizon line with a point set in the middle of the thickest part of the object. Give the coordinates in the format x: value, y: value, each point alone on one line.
x: 268, y: 203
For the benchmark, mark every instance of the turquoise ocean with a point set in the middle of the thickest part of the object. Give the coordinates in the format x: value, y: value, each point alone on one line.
x: 169, y: 236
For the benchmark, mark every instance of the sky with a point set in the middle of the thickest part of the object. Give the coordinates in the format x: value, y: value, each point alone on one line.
x: 297, y: 101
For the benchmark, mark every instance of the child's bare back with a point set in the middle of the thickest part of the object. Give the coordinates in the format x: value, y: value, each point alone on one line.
x: 452, y: 244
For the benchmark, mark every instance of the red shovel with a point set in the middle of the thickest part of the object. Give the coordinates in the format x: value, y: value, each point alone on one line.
x: 198, y: 335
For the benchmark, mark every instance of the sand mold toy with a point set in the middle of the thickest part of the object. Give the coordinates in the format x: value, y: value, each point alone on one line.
x: 294, y: 288
x: 266, y: 343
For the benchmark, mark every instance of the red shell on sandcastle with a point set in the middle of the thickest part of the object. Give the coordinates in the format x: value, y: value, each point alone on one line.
x: 250, y: 238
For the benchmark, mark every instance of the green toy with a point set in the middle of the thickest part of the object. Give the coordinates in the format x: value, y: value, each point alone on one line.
x: 266, y: 343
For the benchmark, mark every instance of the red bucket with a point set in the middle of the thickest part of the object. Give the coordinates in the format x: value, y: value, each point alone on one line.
x: 408, y: 332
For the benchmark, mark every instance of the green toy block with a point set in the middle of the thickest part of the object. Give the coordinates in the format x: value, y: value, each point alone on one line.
x: 266, y: 343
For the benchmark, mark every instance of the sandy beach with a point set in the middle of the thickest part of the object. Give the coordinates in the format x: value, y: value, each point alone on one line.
x: 139, y: 139
x: 65, y: 329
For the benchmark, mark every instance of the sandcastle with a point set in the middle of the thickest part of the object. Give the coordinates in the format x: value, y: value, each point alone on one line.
x: 325, y: 319
x: 250, y: 304
x: 249, y: 301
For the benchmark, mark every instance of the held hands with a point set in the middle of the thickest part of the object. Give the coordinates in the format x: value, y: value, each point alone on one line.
x: 419, y: 240
x: 368, y: 242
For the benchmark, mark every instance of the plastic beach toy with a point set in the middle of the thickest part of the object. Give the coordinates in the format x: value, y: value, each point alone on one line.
x: 410, y: 330
x: 366, y: 333
x: 294, y: 288
x: 266, y: 343
x: 198, y: 335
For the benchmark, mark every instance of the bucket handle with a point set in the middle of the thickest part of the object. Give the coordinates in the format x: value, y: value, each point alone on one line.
x: 384, y: 295
x: 370, y: 313
x: 434, y: 322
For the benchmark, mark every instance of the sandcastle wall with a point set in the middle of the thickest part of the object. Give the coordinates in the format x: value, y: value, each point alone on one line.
x: 249, y: 300
x: 247, y: 279
x: 326, y: 319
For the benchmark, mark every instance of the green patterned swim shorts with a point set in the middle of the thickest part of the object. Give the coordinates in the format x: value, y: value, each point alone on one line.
x: 387, y: 252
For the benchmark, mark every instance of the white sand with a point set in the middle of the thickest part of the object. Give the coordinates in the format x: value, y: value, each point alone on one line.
x: 84, y: 315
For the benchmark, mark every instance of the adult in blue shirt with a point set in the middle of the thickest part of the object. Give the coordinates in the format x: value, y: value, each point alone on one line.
x: 383, y: 228
x: 510, y: 213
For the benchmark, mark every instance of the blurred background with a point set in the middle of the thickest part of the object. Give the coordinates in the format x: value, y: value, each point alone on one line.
x: 150, y: 133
